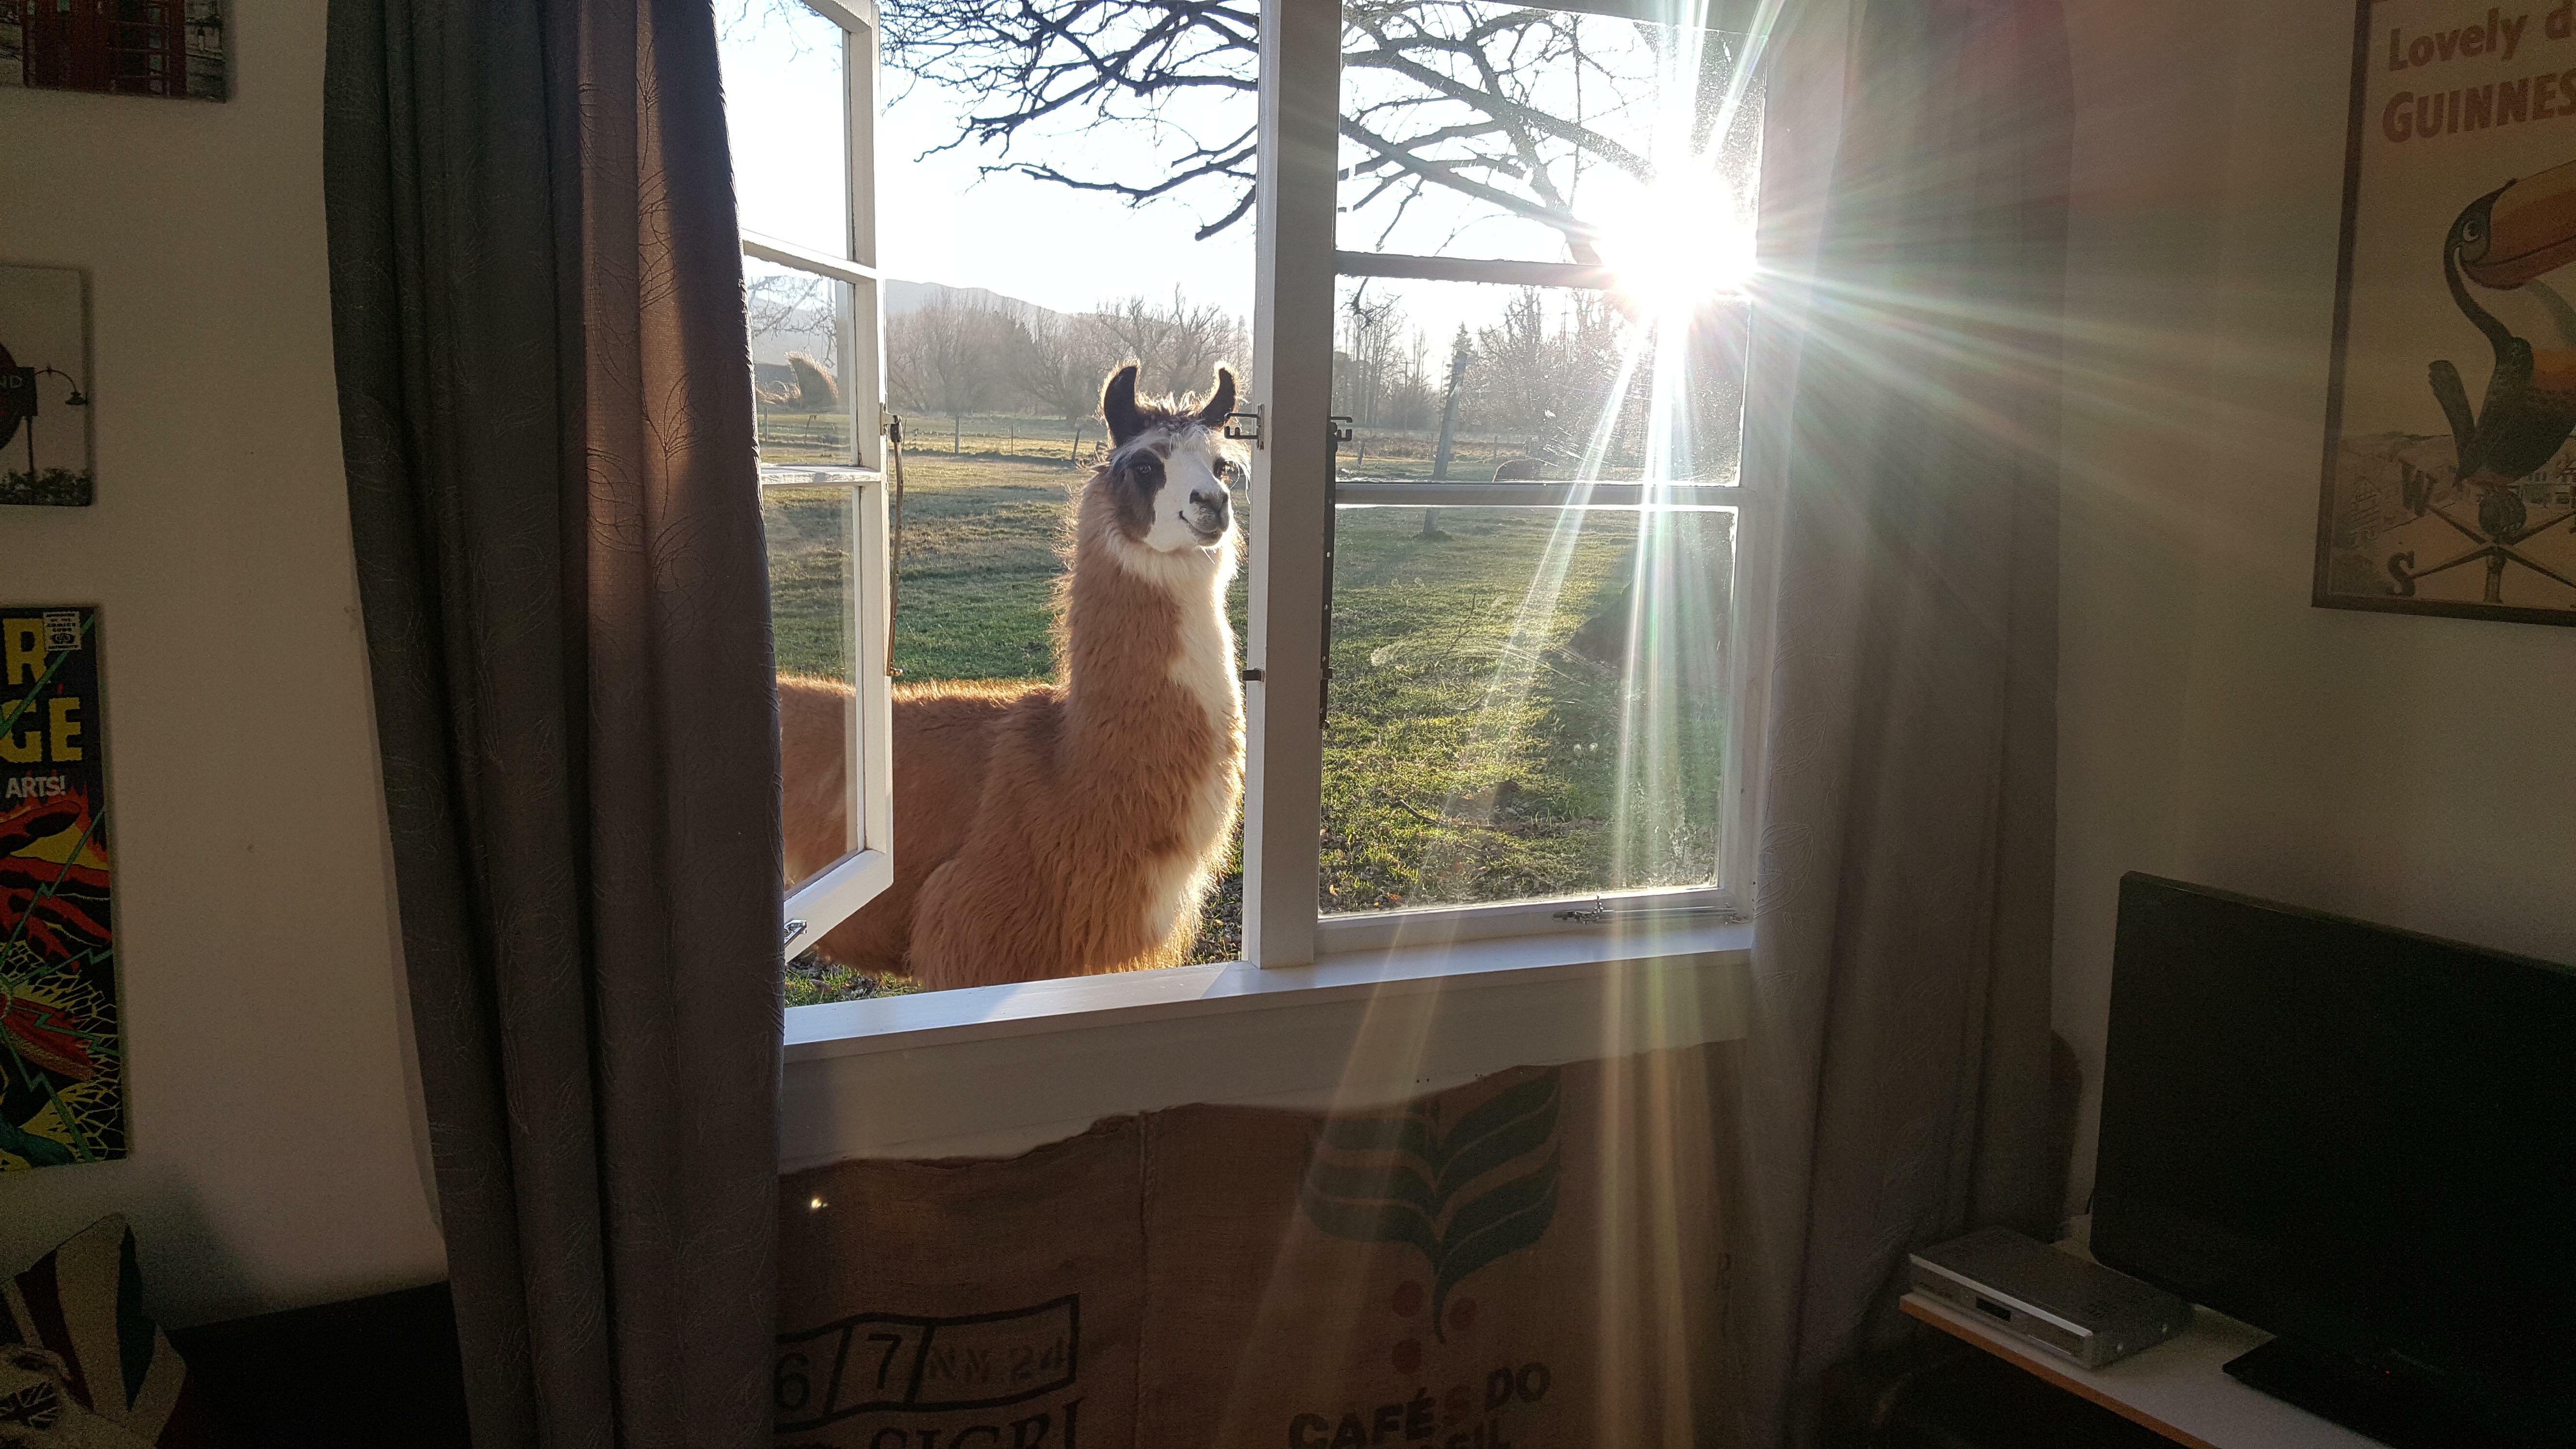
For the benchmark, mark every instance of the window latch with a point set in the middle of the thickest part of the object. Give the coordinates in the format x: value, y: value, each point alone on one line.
x: 1340, y: 427
x: 1245, y: 427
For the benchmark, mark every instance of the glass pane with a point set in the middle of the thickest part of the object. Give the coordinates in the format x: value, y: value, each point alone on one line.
x: 1470, y: 382
x: 1525, y: 703
x: 801, y: 332
x: 787, y: 113
x: 1476, y: 129
x: 813, y: 533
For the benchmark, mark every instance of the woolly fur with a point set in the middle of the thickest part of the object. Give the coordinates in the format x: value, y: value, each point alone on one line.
x: 1071, y: 828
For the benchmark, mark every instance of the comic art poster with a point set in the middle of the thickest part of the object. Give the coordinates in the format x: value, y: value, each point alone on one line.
x: 2448, y: 467
x: 62, y: 1068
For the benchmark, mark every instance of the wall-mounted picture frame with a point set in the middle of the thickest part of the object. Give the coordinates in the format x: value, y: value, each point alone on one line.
x: 2449, y: 480
x: 44, y: 387
x: 172, y: 48
x: 62, y: 1040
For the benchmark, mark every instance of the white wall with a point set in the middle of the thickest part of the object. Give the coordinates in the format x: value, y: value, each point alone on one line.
x: 274, y: 1139
x: 2215, y: 727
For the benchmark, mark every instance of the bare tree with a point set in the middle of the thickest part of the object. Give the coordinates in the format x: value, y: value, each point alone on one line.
x: 1179, y: 346
x: 1506, y: 107
x: 1534, y: 371
x: 950, y: 359
x: 1083, y: 63
x: 1200, y: 337
x: 1520, y: 382
x: 1377, y: 368
x: 1061, y: 364
x: 1142, y: 331
x: 796, y: 311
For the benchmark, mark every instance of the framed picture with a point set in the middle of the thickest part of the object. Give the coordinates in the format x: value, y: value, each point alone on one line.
x: 44, y: 382
x: 2449, y: 479
x: 120, y: 47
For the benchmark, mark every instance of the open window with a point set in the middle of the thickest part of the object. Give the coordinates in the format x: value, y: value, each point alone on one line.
x: 1506, y: 544
x: 1501, y: 512
x: 800, y: 108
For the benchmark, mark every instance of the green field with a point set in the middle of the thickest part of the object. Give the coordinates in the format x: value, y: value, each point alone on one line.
x: 1474, y: 748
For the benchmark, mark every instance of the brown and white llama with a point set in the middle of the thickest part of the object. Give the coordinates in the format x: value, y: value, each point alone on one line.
x: 1069, y: 828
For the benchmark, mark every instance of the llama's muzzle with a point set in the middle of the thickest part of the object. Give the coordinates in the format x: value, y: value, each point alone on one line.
x: 1208, y: 513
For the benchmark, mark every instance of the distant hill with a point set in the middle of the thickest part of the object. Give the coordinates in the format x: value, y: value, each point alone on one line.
x: 903, y: 298
x: 806, y: 326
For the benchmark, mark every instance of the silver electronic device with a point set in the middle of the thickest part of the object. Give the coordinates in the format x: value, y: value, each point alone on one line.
x: 2072, y: 1307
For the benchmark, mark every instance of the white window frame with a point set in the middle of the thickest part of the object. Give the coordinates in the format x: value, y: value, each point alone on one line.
x: 1292, y: 487
x: 995, y: 1070
x: 836, y: 892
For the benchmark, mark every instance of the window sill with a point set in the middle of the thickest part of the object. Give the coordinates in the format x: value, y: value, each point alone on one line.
x: 998, y: 1069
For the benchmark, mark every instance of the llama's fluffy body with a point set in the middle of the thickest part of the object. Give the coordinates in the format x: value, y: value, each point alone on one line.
x: 1070, y: 828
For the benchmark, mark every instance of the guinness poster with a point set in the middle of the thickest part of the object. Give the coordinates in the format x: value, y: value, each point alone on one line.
x: 2448, y: 471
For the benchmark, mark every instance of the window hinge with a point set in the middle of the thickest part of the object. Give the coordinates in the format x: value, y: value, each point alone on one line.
x: 1245, y: 427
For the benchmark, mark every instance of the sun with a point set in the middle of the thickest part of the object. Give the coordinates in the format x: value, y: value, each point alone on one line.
x: 1677, y: 243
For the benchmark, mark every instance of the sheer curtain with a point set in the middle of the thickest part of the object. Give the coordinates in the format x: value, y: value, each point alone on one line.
x: 537, y: 306
x: 1895, y: 1087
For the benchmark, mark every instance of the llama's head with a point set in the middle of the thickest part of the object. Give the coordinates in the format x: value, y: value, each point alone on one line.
x: 1169, y: 468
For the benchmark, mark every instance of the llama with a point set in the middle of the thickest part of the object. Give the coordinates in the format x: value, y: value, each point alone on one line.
x: 1070, y: 828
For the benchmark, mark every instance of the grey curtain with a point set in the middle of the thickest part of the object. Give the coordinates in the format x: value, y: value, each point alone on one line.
x: 1895, y: 1088
x: 537, y: 306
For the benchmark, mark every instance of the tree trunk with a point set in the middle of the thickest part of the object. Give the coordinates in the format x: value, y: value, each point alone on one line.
x: 956, y: 433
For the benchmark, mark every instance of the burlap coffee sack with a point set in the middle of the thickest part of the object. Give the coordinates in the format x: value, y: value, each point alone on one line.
x: 1530, y: 1260
x: 964, y: 1305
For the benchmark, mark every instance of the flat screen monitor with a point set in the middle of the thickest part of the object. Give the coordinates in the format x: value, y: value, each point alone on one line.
x: 2357, y: 1138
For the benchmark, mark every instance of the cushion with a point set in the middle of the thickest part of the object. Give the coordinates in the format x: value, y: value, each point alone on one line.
x: 80, y: 1364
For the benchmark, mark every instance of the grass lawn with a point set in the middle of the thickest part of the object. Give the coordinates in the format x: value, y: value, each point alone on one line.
x: 1473, y: 751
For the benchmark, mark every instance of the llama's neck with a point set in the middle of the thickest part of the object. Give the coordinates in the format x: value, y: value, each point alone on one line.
x: 1146, y: 633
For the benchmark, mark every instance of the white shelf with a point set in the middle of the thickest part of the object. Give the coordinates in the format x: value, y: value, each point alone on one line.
x: 2176, y: 1388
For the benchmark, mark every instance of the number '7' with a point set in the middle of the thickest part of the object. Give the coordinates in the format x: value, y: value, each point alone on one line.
x: 885, y: 1362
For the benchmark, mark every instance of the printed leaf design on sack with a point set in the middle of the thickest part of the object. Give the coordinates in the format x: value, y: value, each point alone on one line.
x: 1400, y: 1179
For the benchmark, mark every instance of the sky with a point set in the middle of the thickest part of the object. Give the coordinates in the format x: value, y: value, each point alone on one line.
x: 941, y: 220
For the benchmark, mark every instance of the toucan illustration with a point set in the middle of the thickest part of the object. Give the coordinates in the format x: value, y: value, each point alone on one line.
x: 2507, y: 238
x: 2504, y: 240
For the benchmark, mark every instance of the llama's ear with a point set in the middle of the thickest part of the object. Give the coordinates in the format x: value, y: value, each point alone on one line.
x: 1220, y: 403
x: 1118, y: 406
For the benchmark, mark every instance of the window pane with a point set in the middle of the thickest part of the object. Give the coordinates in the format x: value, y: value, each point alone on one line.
x: 1534, y: 383
x: 801, y: 332
x: 1525, y: 702
x: 1476, y: 129
x: 813, y: 534
x: 786, y: 111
